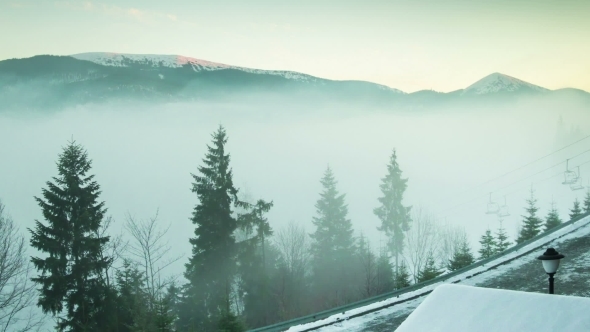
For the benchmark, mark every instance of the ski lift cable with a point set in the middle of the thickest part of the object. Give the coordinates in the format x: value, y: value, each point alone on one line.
x: 541, y: 181
x: 512, y: 192
x: 530, y: 163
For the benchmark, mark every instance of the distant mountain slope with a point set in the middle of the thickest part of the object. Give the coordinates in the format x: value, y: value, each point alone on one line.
x: 46, y: 81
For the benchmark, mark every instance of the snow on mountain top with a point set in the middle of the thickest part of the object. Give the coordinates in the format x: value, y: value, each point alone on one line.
x: 178, y: 61
x: 498, y: 82
x: 172, y: 61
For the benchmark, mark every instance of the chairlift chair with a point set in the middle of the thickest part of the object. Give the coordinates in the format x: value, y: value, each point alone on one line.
x: 503, y: 210
x: 578, y: 184
x: 570, y: 177
x: 493, y: 207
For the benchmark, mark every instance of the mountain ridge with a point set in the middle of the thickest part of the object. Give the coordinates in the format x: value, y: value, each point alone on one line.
x: 98, y: 77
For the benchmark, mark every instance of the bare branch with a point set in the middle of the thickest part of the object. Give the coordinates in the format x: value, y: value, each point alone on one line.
x: 17, y: 292
x: 150, y: 251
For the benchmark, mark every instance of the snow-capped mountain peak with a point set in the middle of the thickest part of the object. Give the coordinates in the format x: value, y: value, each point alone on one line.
x: 498, y: 82
x: 178, y: 61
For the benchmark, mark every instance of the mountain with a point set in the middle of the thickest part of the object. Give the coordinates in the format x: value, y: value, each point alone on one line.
x: 46, y: 81
x: 500, y: 83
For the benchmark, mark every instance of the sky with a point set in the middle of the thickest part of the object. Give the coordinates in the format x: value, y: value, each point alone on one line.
x: 408, y: 45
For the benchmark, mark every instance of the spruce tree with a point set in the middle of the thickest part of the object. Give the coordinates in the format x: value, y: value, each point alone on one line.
x: 72, y: 274
x: 132, y: 300
x: 212, y: 267
x: 587, y: 201
x: 576, y: 211
x: 430, y: 271
x: 332, y: 247
x: 402, y: 278
x: 385, y: 278
x: 462, y: 257
x: 257, y: 266
x: 488, y: 245
x: 552, y: 219
x: 394, y: 216
x: 501, y: 240
x: 531, y: 225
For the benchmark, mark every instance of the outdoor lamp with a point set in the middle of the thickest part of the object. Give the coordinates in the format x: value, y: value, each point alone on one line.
x: 550, y: 260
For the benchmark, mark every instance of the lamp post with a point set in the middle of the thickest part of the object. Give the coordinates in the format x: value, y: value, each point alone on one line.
x: 550, y: 260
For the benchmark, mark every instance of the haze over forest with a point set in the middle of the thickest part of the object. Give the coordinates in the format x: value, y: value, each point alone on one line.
x: 143, y: 155
x: 454, y: 149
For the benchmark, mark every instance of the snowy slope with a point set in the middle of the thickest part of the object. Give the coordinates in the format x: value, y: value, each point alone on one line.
x: 497, y: 82
x: 404, y: 303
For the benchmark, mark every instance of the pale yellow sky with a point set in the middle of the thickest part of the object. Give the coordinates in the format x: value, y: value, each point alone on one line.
x: 408, y: 45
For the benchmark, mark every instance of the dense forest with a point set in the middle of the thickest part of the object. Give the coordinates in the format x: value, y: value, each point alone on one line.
x: 241, y: 272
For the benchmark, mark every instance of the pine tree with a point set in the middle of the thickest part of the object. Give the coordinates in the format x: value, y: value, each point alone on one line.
x: 587, y: 201
x: 488, y: 245
x: 576, y: 211
x: 462, y: 257
x: 394, y: 216
x: 531, y: 225
x: 257, y: 266
x: 212, y: 267
x: 132, y: 299
x: 501, y: 241
x: 228, y: 322
x: 402, y: 278
x: 367, y: 273
x: 552, y: 219
x: 72, y: 274
x: 430, y: 271
x: 332, y: 247
x: 385, y: 278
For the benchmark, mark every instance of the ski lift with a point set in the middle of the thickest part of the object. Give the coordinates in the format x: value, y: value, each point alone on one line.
x: 503, y: 210
x: 577, y: 185
x: 493, y: 207
x: 570, y: 177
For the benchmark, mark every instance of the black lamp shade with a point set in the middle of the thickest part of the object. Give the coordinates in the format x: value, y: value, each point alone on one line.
x: 550, y: 260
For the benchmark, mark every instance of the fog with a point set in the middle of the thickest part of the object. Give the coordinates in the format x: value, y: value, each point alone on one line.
x: 143, y: 159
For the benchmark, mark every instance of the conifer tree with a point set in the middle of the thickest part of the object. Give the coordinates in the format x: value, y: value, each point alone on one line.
x: 257, y: 266
x: 531, y: 225
x: 385, y: 278
x: 462, y: 257
x: 367, y: 267
x: 332, y: 247
x: 430, y: 271
x: 576, y: 211
x: 501, y: 240
x: 587, y: 201
x: 552, y: 219
x: 212, y: 267
x: 132, y: 299
x: 72, y: 274
x: 402, y: 278
x: 488, y: 245
x: 394, y: 216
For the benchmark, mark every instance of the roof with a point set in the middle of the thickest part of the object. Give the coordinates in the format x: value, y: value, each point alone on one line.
x: 466, y: 308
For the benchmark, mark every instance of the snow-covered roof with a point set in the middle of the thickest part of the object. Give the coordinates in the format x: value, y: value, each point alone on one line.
x: 467, y: 308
